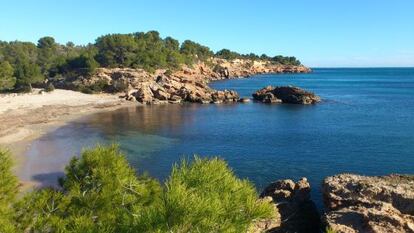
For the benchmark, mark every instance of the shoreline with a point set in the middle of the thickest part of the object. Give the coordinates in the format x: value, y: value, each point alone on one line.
x: 27, y: 117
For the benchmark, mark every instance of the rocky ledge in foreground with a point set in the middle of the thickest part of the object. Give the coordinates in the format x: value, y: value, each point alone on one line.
x: 285, y: 94
x: 296, y: 212
x: 357, y: 204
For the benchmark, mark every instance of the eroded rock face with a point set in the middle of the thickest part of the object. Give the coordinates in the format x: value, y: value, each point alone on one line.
x: 296, y: 211
x: 188, y: 84
x: 357, y: 204
x: 291, y: 95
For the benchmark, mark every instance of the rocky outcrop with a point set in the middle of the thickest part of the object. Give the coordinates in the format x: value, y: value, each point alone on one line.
x: 188, y: 84
x: 291, y: 95
x: 296, y: 212
x: 357, y: 204
x: 224, y: 69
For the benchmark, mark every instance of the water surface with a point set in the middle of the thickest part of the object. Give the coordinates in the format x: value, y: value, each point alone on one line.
x: 364, y: 125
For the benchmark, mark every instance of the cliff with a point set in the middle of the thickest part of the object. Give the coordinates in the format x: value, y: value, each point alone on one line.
x: 188, y: 84
x: 353, y: 204
x: 376, y: 204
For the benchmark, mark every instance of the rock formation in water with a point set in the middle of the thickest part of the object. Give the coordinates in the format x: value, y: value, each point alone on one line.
x: 357, y: 204
x: 296, y: 212
x: 291, y: 95
x: 188, y: 84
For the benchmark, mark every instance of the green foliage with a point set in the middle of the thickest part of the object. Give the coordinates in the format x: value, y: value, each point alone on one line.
x: 7, y: 79
x: 205, y: 196
x: 227, y: 54
x: 168, y: 73
x: 100, y: 193
x: 49, y: 87
x: 115, y: 50
x: 47, y: 53
x: 26, y: 74
x: 8, y: 191
x: 147, y: 50
x: 286, y: 60
x: 195, y: 51
x: 83, y: 64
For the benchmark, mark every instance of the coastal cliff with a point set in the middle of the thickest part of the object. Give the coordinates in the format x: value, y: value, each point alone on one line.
x: 353, y: 204
x: 187, y: 84
x: 376, y: 204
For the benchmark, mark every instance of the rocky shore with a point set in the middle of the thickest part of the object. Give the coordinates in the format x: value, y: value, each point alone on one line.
x: 353, y: 204
x: 369, y: 204
x: 188, y: 84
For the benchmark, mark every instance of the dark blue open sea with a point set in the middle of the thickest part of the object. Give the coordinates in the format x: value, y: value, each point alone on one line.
x: 364, y: 125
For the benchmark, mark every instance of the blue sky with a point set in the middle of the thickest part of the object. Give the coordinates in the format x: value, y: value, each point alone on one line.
x: 324, y: 33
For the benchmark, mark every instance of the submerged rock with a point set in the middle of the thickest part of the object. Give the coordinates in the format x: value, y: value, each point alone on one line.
x: 296, y: 212
x: 357, y: 204
x: 288, y: 94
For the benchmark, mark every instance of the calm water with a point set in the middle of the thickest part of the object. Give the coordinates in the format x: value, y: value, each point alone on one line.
x: 365, y: 125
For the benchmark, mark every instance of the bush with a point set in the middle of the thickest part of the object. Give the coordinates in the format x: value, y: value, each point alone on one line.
x: 7, y: 79
x: 102, y: 193
x: 26, y: 88
x: 206, y: 196
x: 49, y: 87
x: 168, y: 73
x: 8, y: 190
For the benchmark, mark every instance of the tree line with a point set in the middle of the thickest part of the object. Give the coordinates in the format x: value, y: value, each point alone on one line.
x: 100, y: 192
x: 23, y: 64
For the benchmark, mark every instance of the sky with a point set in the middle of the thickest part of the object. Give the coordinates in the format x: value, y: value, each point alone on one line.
x: 321, y: 33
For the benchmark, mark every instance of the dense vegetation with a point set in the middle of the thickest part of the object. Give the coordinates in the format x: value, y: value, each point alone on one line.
x: 102, y: 193
x: 23, y: 64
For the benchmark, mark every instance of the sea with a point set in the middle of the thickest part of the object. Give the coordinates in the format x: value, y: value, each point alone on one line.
x: 364, y: 125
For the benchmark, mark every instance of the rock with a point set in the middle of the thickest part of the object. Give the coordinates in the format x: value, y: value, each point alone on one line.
x: 296, y: 211
x: 267, y: 224
x: 144, y: 95
x: 244, y: 100
x: 293, y: 95
x: 369, y: 204
x: 189, y: 83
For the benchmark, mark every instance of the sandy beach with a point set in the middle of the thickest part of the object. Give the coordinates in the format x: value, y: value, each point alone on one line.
x: 25, y: 117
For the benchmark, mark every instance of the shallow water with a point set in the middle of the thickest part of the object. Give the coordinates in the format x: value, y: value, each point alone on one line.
x: 364, y: 125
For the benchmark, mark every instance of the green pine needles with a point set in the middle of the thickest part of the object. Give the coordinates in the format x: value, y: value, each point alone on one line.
x: 102, y: 193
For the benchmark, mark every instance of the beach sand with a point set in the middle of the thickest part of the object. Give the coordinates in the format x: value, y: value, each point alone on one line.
x: 25, y: 117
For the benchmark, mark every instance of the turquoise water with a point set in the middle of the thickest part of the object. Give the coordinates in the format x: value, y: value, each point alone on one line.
x: 364, y: 125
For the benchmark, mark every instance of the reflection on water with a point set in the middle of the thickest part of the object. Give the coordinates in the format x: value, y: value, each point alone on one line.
x: 364, y: 125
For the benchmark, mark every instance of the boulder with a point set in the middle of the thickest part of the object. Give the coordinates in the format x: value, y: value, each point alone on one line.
x: 356, y: 204
x: 144, y: 95
x: 296, y: 212
x: 285, y: 94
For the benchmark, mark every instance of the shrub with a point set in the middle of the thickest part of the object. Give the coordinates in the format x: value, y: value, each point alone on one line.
x: 168, y: 72
x: 49, y: 87
x: 8, y: 190
x: 102, y: 193
x: 206, y: 196
x: 23, y: 88
x: 7, y: 79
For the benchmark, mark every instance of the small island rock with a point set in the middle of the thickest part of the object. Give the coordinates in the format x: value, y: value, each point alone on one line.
x: 285, y: 94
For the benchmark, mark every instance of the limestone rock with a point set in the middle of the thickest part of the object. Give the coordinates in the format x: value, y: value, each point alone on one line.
x: 187, y: 84
x: 296, y: 211
x: 357, y: 204
x: 285, y: 94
